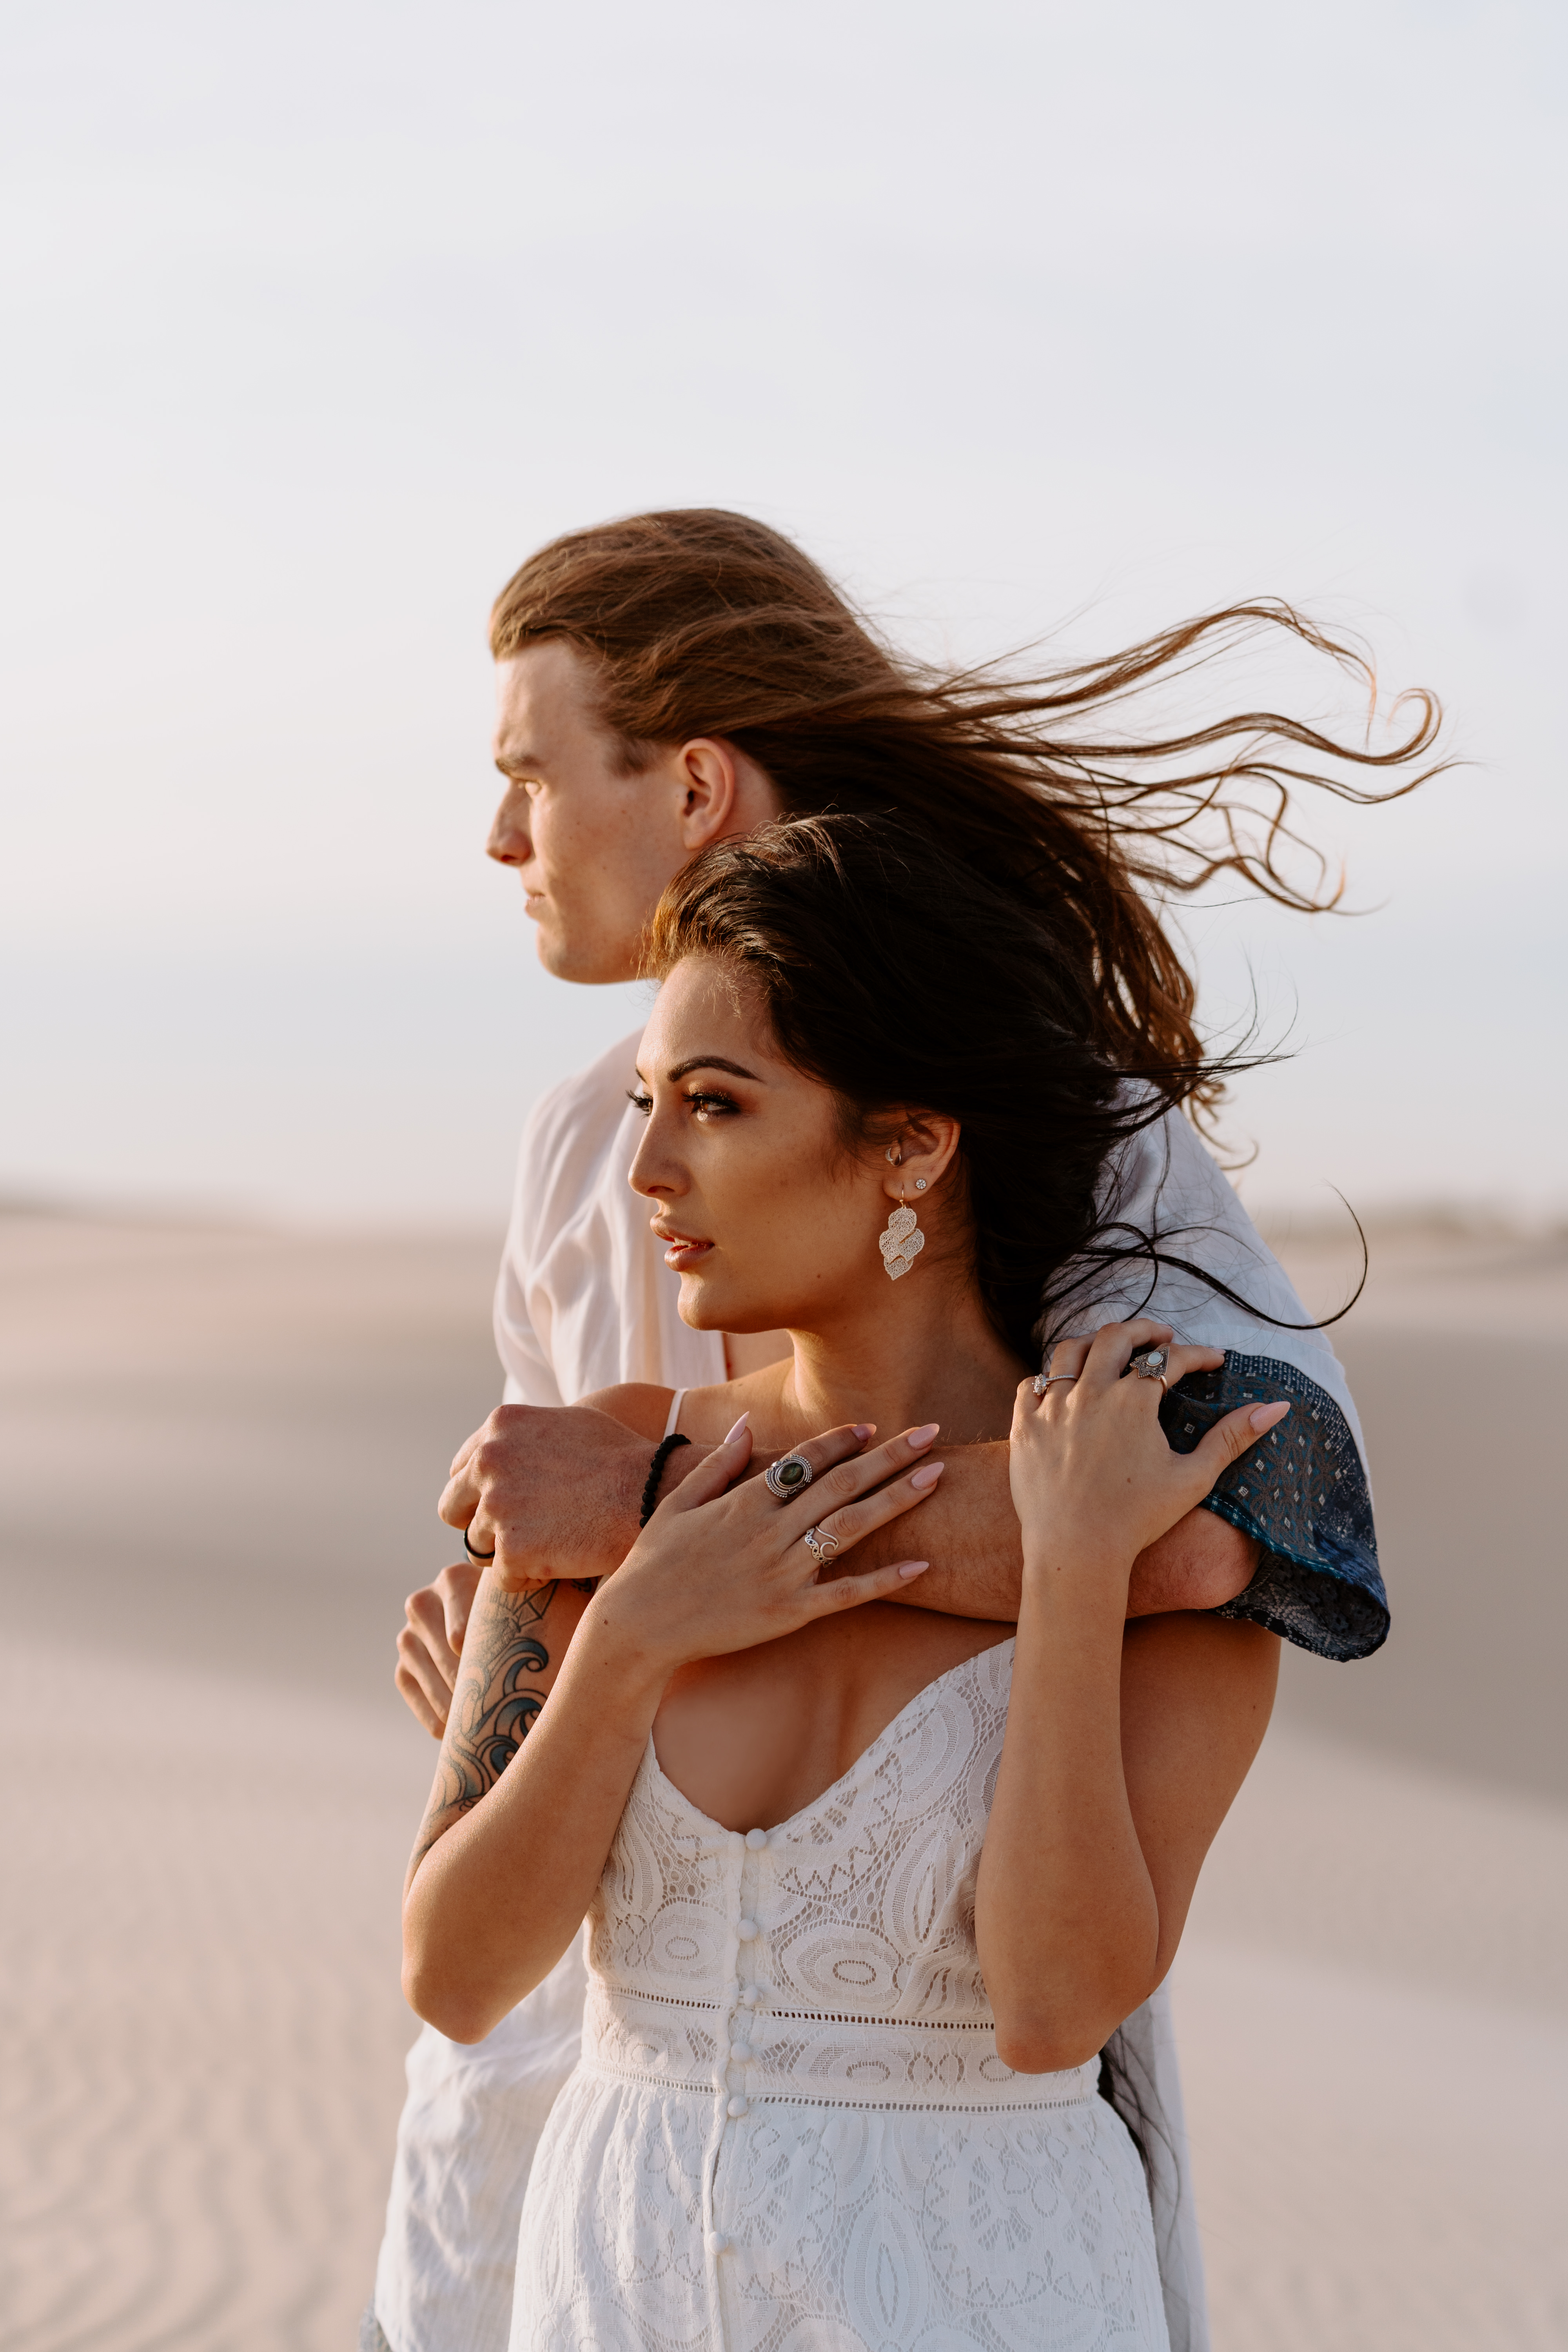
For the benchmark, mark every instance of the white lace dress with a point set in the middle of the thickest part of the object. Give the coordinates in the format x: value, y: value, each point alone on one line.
x: 790, y: 2126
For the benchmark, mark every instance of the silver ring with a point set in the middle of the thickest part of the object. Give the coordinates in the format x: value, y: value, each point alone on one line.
x: 821, y: 1544
x: 790, y: 1475
x: 1043, y: 1381
x: 1150, y: 1363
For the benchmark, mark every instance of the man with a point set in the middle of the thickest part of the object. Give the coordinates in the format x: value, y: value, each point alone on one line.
x: 609, y: 645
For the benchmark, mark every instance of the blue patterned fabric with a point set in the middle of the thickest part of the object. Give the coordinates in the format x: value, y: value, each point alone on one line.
x: 1303, y: 1493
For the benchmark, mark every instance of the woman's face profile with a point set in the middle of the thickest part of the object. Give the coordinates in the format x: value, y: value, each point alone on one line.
x: 771, y: 1224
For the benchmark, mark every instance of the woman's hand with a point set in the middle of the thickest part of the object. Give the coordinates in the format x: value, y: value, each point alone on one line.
x: 722, y: 1567
x: 517, y: 1828
x: 1094, y: 1481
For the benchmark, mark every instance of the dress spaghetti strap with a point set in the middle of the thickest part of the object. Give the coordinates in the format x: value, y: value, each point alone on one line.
x: 676, y: 1402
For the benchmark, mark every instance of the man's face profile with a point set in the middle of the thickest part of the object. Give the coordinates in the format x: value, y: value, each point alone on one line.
x: 592, y: 845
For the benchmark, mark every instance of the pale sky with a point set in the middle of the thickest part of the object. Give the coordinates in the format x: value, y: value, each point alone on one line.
x: 321, y: 317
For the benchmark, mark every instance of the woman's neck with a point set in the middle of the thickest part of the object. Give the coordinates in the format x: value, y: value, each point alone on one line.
x: 916, y: 1360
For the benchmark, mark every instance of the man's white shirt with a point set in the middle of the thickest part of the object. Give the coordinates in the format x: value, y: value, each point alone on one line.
x: 585, y: 1301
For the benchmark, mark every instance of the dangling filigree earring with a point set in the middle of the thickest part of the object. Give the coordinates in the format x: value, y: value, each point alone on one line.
x: 901, y: 1240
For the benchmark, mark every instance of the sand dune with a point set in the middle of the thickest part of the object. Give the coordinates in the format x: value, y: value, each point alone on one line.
x: 220, y: 1453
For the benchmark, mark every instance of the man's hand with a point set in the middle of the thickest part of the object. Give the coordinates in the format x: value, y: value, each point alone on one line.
x: 431, y: 1643
x: 555, y: 1491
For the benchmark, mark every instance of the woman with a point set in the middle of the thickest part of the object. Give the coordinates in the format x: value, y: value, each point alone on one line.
x: 861, y: 1923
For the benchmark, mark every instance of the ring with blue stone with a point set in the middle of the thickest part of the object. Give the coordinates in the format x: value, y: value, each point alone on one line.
x: 790, y: 1475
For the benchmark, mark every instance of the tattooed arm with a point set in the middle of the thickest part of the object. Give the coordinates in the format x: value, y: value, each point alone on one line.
x: 507, y: 1860
x: 511, y: 1655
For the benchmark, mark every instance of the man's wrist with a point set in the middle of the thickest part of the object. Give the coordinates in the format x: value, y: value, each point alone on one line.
x: 679, y: 1464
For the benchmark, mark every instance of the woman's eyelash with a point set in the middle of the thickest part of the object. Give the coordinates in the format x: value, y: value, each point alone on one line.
x: 699, y: 1102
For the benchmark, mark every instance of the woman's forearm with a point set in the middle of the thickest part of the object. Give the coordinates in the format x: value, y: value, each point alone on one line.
x: 1067, y: 1920
x: 513, y: 1844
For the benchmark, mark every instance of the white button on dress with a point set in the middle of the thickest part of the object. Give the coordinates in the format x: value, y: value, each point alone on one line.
x: 745, y: 1930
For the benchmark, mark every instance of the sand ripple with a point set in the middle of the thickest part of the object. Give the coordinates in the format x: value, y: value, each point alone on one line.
x: 201, y: 2033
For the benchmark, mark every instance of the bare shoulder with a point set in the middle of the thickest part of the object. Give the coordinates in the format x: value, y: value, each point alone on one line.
x: 640, y: 1405
x: 707, y: 1415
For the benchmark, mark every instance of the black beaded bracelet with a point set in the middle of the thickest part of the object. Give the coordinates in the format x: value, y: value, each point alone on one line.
x: 662, y: 1453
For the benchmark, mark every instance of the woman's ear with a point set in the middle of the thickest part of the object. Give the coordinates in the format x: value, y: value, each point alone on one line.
x: 920, y: 1156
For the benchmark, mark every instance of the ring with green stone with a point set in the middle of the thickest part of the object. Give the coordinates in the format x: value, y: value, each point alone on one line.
x: 790, y: 1475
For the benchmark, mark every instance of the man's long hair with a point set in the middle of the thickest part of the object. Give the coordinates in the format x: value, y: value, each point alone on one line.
x: 707, y: 623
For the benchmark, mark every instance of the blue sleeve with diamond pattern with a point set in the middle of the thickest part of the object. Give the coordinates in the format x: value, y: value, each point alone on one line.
x: 1301, y: 1493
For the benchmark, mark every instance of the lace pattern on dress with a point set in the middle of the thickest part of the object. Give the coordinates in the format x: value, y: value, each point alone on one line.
x: 858, y: 2063
x: 791, y: 2130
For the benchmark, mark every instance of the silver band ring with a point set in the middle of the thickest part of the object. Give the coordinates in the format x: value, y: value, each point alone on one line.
x: 821, y: 1543
x: 1044, y: 1380
x: 480, y: 1559
x: 790, y: 1475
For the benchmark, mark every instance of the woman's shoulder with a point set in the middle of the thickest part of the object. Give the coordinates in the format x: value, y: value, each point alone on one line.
x: 707, y: 1415
x: 641, y: 1405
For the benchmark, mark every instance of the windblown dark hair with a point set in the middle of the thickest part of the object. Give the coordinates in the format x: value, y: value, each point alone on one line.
x: 904, y: 981
x: 707, y: 623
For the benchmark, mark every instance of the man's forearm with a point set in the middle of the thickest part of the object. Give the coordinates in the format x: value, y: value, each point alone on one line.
x: 970, y: 1531
x: 575, y: 1513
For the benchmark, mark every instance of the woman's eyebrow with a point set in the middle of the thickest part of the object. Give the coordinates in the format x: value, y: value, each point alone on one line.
x: 710, y: 1062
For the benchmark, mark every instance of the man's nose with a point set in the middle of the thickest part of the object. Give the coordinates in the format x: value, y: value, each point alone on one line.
x: 510, y: 842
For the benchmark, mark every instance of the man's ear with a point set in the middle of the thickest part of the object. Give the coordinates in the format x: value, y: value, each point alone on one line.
x: 706, y: 771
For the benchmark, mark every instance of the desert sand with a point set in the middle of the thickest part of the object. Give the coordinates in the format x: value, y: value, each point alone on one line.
x: 221, y: 1450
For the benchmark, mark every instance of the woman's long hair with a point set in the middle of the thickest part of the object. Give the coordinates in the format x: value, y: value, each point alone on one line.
x: 904, y: 981
x: 706, y: 622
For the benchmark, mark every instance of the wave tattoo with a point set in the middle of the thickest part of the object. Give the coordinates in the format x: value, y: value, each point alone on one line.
x: 494, y: 1707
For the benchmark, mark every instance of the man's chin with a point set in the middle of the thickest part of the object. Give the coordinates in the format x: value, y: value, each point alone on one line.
x: 586, y: 968
x: 549, y: 948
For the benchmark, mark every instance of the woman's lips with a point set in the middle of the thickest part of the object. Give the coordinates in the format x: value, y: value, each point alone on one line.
x: 682, y: 1251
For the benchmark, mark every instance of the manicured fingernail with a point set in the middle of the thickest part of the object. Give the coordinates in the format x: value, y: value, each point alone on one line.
x: 908, y: 1568
x: 918, y: 1437
x: 1267, y: 1414
x: 865, y: 1429
x: 928, y: 1475
x: 740, y: 1425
